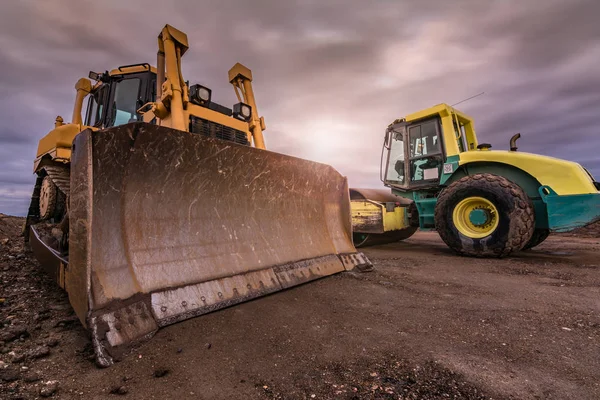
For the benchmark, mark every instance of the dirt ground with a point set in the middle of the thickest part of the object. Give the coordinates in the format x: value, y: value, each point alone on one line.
x: 426, y: 324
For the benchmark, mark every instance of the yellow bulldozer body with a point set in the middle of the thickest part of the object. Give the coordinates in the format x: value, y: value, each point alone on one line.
x: 56, y: 145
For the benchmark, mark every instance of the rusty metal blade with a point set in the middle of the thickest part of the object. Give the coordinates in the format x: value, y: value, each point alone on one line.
x: 49, y: 258
x: 167, y: 224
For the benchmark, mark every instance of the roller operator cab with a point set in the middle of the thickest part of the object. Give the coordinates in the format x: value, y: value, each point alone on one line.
x: 482, y: 202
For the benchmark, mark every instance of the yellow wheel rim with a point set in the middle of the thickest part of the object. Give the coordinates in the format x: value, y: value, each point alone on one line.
x: 475, y: 217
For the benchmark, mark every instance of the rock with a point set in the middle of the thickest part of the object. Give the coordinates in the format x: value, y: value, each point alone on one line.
x: 52, y: 341
x: 159, y: 373
x: 60, y: 307
x: 31, y: 377
x: 4, y: 241
x: 67, y: 322
x: 9, y: 375
x: 120, y: 390
x: 4, y: 350
x: 15, y: 357
x: 49, y: 388
x: 39, y: 352
x: 179, y: 350
x: 14, y: 332
x: 41, y: 316
x: 208, y: 345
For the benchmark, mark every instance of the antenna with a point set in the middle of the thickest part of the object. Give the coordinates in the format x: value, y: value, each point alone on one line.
x: 468, y: 98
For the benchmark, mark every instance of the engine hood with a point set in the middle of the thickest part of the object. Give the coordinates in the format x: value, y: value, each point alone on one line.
x: 564, y: 177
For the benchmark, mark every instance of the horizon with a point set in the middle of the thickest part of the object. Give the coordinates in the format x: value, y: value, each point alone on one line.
x: 328, y: 78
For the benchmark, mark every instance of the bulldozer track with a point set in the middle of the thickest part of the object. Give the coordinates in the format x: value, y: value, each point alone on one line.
x: 34, y: 206
x: 60, y: 175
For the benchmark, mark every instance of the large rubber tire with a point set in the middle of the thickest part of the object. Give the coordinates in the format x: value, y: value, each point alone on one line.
x: 515, y: 216
x: 539, y: 235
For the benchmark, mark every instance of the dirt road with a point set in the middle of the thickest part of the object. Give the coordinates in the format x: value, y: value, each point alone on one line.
x: 425, y: 324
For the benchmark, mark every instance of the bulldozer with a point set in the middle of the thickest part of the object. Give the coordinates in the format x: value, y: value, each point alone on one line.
x: 482, y: 202
x: 160, y: 204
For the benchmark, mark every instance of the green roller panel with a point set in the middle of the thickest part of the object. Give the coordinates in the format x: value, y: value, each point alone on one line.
x: 566, y: 213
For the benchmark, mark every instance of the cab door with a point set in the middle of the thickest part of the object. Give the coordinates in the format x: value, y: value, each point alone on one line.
x: 425, y: 153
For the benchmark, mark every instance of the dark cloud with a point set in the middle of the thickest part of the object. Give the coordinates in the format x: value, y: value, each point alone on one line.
x: 329, y: 76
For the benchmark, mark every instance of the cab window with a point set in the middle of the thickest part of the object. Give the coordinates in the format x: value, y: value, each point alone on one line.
x: 125, y: 103
x: 459, y: 133
x: 95, y: 107
x: 395, y: 168
x: 425, y: 152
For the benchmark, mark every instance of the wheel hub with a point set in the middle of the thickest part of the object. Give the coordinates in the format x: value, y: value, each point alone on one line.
x: 479, y: 217
x: 475, y: 217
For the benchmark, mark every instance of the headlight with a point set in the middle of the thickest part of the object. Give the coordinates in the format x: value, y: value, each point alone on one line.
x: 200, y: 95
x: 242, y: 111
x: 204, y: 94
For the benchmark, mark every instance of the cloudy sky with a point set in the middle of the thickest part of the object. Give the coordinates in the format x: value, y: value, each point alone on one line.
x: 329, y: 75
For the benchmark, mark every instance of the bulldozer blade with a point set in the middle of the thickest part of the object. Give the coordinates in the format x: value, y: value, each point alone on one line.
x: 166, y: 225
x: 49, y: 258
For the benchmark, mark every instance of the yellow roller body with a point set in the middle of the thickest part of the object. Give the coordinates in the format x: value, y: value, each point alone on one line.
x: 379, y: 217
x: 166, y: 225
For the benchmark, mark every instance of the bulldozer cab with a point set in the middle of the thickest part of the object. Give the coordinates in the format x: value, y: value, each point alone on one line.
x: 416, y: 148
x: 118, y: 95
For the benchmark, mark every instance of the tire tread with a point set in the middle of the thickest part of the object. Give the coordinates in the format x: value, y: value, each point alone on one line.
x: 522, y: 215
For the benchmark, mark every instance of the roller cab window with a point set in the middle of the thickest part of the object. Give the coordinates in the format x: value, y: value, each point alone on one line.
x: 425, y: 153
x: 396, y: 159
